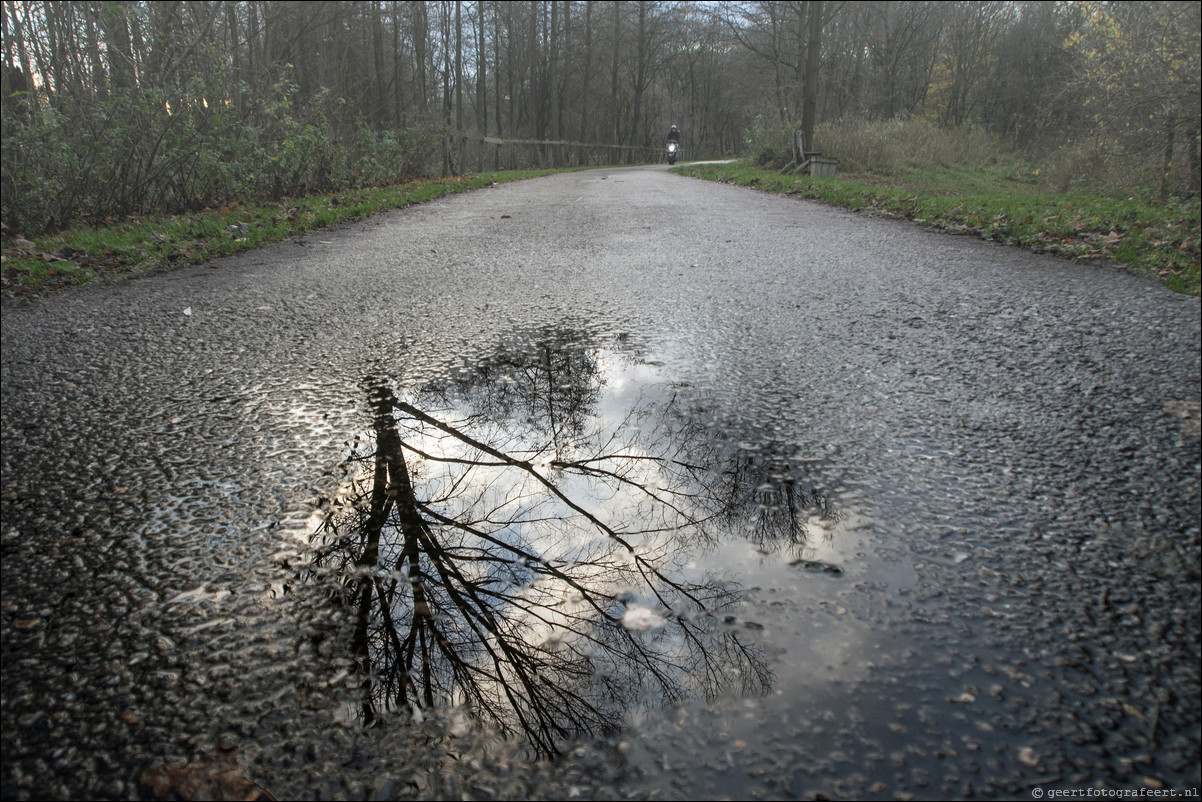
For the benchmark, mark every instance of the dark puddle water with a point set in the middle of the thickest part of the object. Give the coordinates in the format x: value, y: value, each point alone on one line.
x: 557, y: 543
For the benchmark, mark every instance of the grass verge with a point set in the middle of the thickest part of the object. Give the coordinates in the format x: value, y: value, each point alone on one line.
x: 1159, y: 239
x: 136, y: 245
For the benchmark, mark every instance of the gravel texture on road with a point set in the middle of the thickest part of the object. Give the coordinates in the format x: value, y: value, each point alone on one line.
x: 985, y: 463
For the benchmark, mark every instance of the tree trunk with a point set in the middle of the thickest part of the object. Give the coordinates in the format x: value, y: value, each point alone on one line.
x: 553, y: 81
x: 565, y: 68
x: 781, y: 105
x: 117, y: 45
x: 378, y: 102
x: 496, y: 73
x: 532, y: 95
x: 397, y: 95
x: 255, y: 58
x: 459, y: 80
x: 586, y: 100
x: 809, y: 107
x: 98, y: 79
x: 1195, y: 161
x: 481, y: 74
x: 421, y: 33
x: 24, y: 83
x: 444, y: 28
x: 231, y: 21
x: 614, y: 113
x: 58, y: 45
x: 1166, y: 174
x: 640, y: 80
x: 511, y: 67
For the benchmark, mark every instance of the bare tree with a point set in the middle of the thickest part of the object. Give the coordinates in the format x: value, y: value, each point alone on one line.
x: 513, y: 554
x: 198, y: 103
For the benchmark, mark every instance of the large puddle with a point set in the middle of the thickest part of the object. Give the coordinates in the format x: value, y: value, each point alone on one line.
x: 557, y: 542
x: 566, y: 546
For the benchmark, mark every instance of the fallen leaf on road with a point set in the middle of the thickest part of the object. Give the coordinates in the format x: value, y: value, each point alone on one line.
x: 213, y: 776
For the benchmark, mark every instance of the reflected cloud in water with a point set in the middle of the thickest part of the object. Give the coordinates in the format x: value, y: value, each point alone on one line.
x: 523, y: 541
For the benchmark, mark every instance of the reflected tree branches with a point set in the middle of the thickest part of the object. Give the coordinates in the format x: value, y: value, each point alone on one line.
x: 516, y: 543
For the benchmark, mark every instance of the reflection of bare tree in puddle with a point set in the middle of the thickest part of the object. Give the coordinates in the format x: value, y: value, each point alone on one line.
x: 772, y: 507
x: 528, y: 567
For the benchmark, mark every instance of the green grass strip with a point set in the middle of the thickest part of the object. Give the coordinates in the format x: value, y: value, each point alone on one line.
x: 1155, y: 238
x: 137, y: 245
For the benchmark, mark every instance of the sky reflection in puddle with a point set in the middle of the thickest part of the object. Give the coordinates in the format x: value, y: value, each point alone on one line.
x: 556, y: 542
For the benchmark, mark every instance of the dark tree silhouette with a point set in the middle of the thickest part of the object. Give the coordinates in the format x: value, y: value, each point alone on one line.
x: 508, y: 549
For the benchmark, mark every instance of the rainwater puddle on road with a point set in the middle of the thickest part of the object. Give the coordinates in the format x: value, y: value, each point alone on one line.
x: 555, y: 543
x: 563, y: 551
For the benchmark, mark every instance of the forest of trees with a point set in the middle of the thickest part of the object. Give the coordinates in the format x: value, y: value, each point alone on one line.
x: 126, y: 106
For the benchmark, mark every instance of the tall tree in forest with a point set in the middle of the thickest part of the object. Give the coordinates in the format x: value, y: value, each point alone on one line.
x: 615, y: 109
x: 809, y: 92
x: 420, y: 37
x: 586, y: 77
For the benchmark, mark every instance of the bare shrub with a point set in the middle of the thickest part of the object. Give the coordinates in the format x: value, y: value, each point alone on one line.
x: 888, y: 146
x: 1112, y: 165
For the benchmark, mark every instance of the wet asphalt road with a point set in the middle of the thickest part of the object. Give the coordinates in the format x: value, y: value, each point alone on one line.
x: 1000, y: 452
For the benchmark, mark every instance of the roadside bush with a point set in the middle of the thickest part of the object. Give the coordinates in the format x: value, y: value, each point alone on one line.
x: 1075, y: 166
x: 883, y: 147
x: 767, y: 146
x: 900, y: 144
x: 1128, y: 166
x: 385, y: 157
x: 95, y: 159
x: 1102, y: 163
